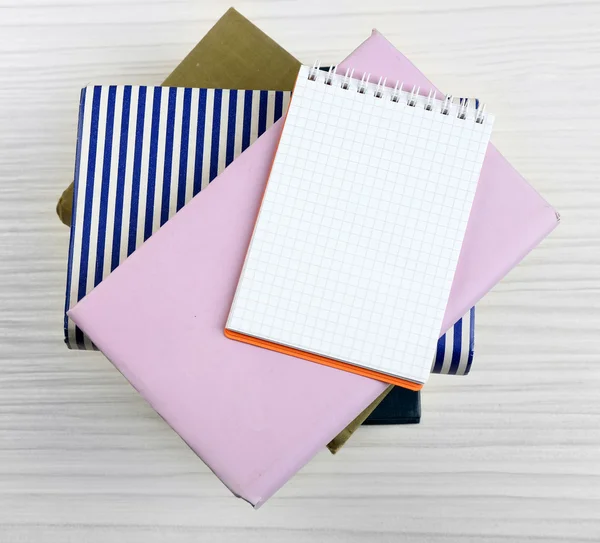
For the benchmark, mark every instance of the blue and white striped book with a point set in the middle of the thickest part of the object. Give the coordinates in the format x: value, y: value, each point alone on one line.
x: 142, y: 154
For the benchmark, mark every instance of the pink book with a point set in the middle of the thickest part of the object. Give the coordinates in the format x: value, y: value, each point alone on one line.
x: 159, y: 317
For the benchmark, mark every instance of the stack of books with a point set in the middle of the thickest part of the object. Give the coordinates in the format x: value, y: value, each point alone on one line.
x: 384, y: 215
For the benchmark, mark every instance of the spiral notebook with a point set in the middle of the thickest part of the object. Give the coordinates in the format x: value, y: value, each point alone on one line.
x: 361, y: 225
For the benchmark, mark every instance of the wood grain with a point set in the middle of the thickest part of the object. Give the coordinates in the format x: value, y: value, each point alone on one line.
x: 510, y: 453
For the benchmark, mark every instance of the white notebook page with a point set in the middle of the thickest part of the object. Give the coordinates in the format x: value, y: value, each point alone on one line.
x: 361, y: 225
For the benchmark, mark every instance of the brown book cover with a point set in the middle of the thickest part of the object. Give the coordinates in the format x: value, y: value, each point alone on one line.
x: 236, y: 54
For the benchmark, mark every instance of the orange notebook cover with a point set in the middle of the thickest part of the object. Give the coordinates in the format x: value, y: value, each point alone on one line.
x: 322, y: 360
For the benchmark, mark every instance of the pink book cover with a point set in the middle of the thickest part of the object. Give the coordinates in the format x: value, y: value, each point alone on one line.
x: 159, y: 317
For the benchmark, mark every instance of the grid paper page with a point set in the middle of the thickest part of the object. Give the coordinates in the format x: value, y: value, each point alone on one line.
x: 360, y: 229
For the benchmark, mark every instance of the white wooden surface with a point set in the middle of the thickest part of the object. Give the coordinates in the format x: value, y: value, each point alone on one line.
x: 510, y: 453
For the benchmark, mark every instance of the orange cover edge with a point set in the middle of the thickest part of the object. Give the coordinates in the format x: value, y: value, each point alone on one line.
x: 322, y: 360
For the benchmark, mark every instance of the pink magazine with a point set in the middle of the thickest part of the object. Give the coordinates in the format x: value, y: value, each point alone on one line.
x: 159, y: 317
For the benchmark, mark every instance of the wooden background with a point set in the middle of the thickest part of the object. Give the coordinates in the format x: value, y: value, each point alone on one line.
x: 510, y: 453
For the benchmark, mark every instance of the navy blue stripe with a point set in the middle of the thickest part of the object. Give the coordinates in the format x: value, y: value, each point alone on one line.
x: 456, y: 351
x: 121, y: 167
x: 216, y: 132
x: 152, y: 162
x: 471, y: 340
x: 168, y: 168
x: 231, y: 127
x: 183, y: 152
x: 439, y: 355
x: 107, y: 160
x: 74, y: 214
x: 278, y: 106
x: 247, y: 119
x: 262, y: 112
x: 137, y: 169
x: 198, y: 163
x: 89, y: 196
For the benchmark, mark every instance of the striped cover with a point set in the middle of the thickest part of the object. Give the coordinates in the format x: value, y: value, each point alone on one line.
x: 142, y: 154
x: 455, y: 348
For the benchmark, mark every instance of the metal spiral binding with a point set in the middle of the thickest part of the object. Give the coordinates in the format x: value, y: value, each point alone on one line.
x: 412, y: 97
